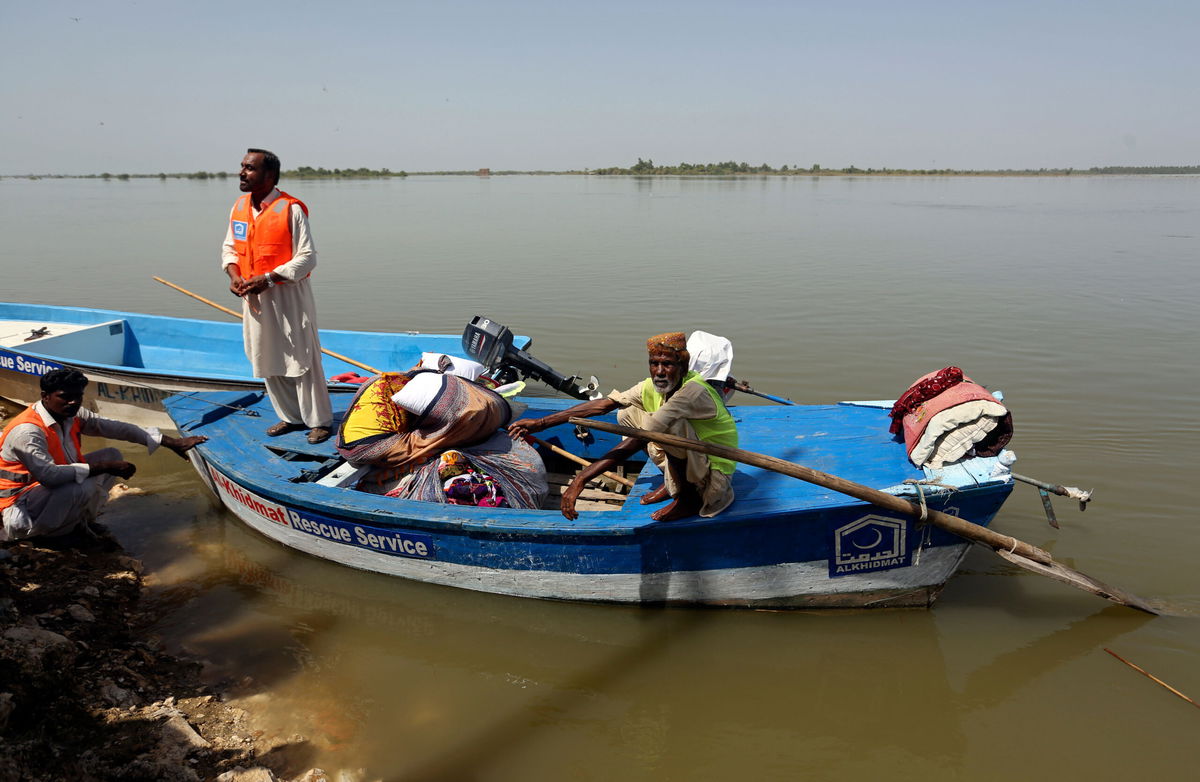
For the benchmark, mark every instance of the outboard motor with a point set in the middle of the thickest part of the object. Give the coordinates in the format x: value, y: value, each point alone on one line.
x: 491, y: 344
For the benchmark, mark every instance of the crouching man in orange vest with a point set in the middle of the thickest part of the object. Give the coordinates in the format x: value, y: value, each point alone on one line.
x: 48, y: 486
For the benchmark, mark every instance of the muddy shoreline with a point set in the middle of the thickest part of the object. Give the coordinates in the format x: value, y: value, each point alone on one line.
x: 87, y: 692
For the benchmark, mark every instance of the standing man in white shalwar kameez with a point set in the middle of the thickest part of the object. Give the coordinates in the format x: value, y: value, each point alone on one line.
x: 269, y: 255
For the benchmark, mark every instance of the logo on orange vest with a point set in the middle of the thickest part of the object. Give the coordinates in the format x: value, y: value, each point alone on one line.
x: 240, y: 229
x: 870, y: 543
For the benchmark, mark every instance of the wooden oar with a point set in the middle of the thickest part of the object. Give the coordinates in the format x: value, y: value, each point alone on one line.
x: 238, y: 315
x: 1015, y: 551
x: 579, y: 460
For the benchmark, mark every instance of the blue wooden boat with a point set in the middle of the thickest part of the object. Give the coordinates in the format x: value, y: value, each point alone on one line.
x: 781, y: 544
x: 135, y: 360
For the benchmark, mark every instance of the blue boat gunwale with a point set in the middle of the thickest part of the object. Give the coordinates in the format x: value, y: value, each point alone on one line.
x: 631, y: 520
x: 88, y: 316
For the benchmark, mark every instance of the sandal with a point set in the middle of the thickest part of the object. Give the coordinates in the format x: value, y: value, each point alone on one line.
x: 283, y: 427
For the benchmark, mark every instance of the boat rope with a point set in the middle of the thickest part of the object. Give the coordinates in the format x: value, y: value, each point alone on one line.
x: 235, y: 408
x: 921, y: 494
x: 926, y: 542
x: 927, y: 533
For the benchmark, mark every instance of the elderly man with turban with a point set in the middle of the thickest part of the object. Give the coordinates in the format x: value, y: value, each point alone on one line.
x: 672, y: 400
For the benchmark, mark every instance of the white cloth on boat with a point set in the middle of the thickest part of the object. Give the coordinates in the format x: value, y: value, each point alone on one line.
x: 950, y: 434
x: 712, y: 356
x: 279, y: 328
x: 451, y: 365
x: 420, y: 392
x: 68, y: 493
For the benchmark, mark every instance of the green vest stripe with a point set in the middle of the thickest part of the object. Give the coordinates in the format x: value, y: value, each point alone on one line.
x: 718, y: 430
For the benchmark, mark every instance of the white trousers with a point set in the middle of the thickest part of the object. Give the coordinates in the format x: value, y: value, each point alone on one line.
x: 303, y: 399
x: 714, y: 486
x: 52, y: 512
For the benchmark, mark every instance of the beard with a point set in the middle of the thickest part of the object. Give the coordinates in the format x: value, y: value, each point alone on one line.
x: 662, y: 385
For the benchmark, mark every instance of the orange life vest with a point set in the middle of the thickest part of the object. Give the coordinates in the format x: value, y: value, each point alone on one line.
x: 264, y: 242
x: 15, y: 479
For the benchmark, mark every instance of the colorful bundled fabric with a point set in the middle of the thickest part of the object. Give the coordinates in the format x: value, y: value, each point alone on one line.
x: 372, y: 416
x: 922, y: 391
x: 464, y: 417
x: 513, y: 466
x: 452, y: 464
x: 463, y: 485
x: 462, y: 413
x: 945, y: 415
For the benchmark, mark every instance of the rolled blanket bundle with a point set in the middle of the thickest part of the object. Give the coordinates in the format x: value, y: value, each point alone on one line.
x: 945, y: 415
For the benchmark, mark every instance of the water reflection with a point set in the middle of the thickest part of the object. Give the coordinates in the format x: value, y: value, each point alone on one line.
x: 427, y: 682
x: 1073, y: 294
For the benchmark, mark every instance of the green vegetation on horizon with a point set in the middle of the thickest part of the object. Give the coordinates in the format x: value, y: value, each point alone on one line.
x: 304, y: 172
x: 648, y: 168
x: 733, y: 168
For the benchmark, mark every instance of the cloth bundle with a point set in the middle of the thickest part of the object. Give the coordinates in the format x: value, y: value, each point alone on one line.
x: 434, y: 413
x: 512, y: 466
x: 944, y: 416
x: 464, y: 485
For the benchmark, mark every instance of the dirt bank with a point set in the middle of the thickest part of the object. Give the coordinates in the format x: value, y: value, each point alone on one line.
x: 86, y: 693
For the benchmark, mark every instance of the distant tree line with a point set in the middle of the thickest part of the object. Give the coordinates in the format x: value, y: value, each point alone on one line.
x: 308, y: 172
x: 1145, y: 170
x: 731, y: 167
x: 303, y: 172
x: 160, y: 175
x: 648, y: 167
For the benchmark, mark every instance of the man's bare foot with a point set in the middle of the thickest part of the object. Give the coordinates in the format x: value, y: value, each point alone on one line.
x: 656, y: 496
x: 679, y: 509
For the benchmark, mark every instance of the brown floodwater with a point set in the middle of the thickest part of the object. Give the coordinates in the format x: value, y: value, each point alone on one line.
x: 1074, y: 295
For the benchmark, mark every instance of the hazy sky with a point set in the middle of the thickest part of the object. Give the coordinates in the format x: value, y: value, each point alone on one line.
x: 150, y: 86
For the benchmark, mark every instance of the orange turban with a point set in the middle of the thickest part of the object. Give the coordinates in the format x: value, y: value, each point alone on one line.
x: 671, y: 342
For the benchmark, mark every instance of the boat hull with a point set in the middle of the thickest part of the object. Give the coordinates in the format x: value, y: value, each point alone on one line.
x: 134, y: 399
x: 833, y: 552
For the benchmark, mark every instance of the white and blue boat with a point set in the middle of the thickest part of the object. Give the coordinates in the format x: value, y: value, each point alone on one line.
x: 781, y: 544
x: 135, y: 360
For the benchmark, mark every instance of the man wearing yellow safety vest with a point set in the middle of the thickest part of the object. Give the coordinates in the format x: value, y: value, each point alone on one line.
x: 268, y: 255
x: 672, y: 400
x: 48, y: 485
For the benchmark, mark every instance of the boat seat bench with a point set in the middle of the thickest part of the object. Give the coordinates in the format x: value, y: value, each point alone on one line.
x: 102, y: 343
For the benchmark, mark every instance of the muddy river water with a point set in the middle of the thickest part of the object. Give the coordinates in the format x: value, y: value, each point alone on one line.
x: 1074, y: 295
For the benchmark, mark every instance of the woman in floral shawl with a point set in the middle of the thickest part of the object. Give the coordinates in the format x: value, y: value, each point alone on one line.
x: 403, y: 446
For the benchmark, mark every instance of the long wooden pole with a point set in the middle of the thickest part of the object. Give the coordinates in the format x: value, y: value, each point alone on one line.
x: 1152, y: 677
x: 1016, y: 551
x: 238, y: 315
